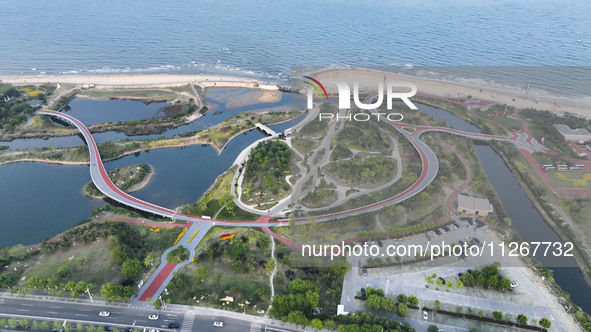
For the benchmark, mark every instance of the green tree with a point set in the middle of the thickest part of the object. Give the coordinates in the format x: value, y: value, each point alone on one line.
x: 498, y: 315
x: 158, y: 304
x: 330, y: 325
x: 6, y: 280
x: 228, y: 201
x: 79, y: 326
x: 459, y: 309
x: 131, y: 268
x: 413, y: 300
x: 44, y: 325
x: 439, y: 282
x: 521, y: 319
x: 218, y: 280
x: 545, y: 323
x: 402, y: 310
x: 316, y: 324
x: 64, y: 272
x: 402, y: 298
x: 388, y: 304
x: 432, y: 328
x: 81, y: 261
x: 505, y: 284
x: 111, y: 291
x: 202, y: 273
x: 149, y: 260
x: 437, y: 305
x: 374, y: 302
x: 298, y: 318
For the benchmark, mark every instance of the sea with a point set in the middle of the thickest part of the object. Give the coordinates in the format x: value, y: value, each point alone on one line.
x: 264, y: 39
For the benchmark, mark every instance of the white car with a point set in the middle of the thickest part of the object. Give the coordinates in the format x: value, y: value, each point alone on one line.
x: 218, y: 323
x: 425, y: 315
x: 514, y: 284
x: 104, y: 314
x: 153, y: 317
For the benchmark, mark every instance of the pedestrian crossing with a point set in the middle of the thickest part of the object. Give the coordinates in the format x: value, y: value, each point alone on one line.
x: 254, y: 327
x: 188, y: 321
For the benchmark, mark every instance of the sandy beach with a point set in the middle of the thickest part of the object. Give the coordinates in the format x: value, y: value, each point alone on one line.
x: 368, y: 79
x: 136, y: 80
x: 364, y: 77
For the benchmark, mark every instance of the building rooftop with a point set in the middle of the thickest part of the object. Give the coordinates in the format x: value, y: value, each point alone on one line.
x: 476, y: 204
x: 566, y: 130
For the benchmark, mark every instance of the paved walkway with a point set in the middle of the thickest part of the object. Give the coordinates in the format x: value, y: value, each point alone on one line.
x: 157, y: 282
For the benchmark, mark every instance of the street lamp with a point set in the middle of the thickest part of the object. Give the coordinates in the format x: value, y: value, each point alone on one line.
x: 90, y: 295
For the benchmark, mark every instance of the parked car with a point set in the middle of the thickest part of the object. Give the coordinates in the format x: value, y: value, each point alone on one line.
x: 364, y: 271
x: 514, y: 284
x: 108, y: 328
x: 363, y: 292
x: 442, y: 280
x: 174, y: 325
x: 425, y: 315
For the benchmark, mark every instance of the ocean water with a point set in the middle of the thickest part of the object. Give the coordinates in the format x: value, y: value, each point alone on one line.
x: 266, y: 38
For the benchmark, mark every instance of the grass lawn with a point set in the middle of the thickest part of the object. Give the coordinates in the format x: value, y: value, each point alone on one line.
x: 156, y: 94
x: 100, y: 268
x: 4, y: 87
x: 577, y: 180
x: 234, y: 268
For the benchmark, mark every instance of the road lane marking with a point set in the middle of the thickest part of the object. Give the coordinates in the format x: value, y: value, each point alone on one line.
x: 80, y: 315
x: 85, y: 310
x: 22, y: 310
x: 55, y: 307
x: 52, y: 312
x: 27, y: 305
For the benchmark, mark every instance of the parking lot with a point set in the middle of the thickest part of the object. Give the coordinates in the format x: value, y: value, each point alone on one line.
x: 530, y: 298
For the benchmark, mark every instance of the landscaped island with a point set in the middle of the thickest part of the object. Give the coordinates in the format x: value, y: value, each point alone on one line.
x: 128, y: 179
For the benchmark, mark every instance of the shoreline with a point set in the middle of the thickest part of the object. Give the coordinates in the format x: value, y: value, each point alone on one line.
x: 439, y: 88
x: 142, y: 80
x: 446, y: 89
x: 129, y: 190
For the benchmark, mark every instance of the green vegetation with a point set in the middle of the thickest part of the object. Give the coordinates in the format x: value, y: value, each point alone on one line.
x: 317, y: 129
x: 123, y: 178
x: 265, y: 171
x: 77, y: 260
x: 14, y: 111
x: 364, y: 173
x: 487, y: 277
x: 178, y: 255
x: 218, y: 198
x: 238, y: 267
x: 363, y: 136
x: 319, y: 197
x: 340, y: 151
x: 176, y: 94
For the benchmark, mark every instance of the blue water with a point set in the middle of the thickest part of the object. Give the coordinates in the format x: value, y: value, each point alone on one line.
x: 90, y: 111
x: 265, y: 38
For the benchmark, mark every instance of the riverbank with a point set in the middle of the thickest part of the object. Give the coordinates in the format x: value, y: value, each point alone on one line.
x: 121, y: 179
x: 444, y: 89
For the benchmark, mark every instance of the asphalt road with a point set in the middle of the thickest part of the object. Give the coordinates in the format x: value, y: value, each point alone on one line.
x: 124, y: 316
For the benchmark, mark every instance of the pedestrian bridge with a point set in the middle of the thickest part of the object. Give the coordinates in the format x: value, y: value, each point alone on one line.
x: 265, y: 129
